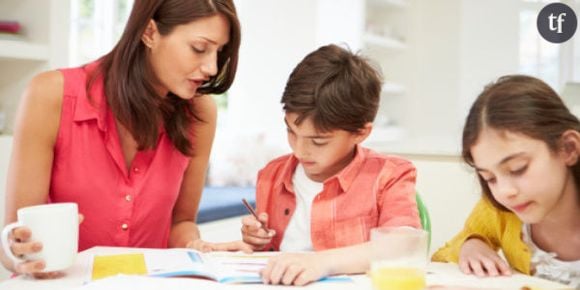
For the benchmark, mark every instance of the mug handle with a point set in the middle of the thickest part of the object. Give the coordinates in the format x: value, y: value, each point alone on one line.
x: 6, y: 243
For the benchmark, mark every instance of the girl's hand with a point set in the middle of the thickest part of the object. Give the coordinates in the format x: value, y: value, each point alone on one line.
x: 21, y: 245
x: 204, y: 246
x: 295, y: 269
x: 476, y: 257
x: 253, y: 234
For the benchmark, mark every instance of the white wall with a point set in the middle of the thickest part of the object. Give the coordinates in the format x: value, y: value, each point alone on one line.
x: 433, y: 97
x: 340, y: 22
x: 276, y: 35
x: 450, y: 190
x: 458, y: 47
x: 488, y: 49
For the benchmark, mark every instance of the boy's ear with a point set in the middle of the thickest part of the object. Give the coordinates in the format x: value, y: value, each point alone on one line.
x: 364, y: 132
x: 149, y: 35
x: 570, y: 149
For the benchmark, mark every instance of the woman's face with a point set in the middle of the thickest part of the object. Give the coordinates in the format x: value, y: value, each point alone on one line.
x: 523, y: 174
x: 186, y: 57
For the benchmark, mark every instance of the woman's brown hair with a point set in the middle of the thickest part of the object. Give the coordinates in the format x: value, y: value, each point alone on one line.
x: 129, y: 79
x: 519, y: 104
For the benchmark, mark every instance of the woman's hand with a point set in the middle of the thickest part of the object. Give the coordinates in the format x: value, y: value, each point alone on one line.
x: 295, y: 269
x: 254, y: 234
x: 204, y: 246
x: 21, y: 245
x: 477, y: 258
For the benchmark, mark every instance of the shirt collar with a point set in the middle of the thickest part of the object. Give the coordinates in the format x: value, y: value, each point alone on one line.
x: 348, y: 174
x: 345, y: 177
x: 285, y: 179
x: 91, y: 104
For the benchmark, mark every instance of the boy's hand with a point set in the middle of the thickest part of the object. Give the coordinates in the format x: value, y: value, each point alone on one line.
x: 295, y: 269
x: 477, y: 258
x: 253, y: 233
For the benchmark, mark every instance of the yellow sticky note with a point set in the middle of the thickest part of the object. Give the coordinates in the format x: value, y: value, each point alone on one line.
x: 110, y: 265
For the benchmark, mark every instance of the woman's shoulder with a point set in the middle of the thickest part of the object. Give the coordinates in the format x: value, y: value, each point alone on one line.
x: 41, y: 107
x: 205, y: 108
x: 46, y: 89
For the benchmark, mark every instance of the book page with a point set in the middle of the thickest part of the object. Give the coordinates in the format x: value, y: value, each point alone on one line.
x: 224, y: 267
x: 238, y: 267
x: 152, y: 262
x: 449, y: 274
x: 245, y: 268
x: 177, y: 262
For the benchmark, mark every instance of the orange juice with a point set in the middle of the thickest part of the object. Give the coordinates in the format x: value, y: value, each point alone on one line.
x: 398, y: 278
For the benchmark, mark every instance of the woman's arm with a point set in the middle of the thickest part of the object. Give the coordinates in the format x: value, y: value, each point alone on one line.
x: 30, y: 168
x: 184, y: 231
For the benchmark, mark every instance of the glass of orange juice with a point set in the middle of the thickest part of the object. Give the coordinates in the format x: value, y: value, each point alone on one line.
x: 399, y: 258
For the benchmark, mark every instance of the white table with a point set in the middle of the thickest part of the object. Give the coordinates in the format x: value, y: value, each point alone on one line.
x: 438, y: 274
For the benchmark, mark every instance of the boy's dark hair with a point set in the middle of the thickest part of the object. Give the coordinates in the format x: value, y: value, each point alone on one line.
x: 334, y: 87
x: 519, y: 104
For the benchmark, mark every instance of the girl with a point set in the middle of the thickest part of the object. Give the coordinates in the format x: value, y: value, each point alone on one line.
x: 524, y: 144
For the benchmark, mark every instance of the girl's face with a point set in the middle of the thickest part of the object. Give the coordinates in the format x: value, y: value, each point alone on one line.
x: 186, y: 57
x: 523, y: 174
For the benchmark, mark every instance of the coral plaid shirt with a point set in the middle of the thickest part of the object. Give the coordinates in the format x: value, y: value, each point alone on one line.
x: 124, y: 207
x: 373, y: 190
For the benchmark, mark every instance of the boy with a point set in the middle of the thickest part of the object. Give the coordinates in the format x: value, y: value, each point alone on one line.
x: 330, y: 192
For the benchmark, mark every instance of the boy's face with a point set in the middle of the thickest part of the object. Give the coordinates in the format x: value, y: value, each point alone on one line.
x: 322, y: 154
x: 523, y: 174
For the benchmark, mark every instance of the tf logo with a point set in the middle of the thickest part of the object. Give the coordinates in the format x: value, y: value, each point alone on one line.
x: 557, y: 22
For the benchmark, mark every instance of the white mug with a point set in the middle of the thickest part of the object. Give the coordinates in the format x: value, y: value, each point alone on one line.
x: 56, y: 226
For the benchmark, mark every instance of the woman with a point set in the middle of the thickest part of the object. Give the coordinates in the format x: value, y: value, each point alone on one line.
x: 128, y: 137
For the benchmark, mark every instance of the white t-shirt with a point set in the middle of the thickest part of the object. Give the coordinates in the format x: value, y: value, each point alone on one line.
x: 548, y: 266
x: 297, y: 235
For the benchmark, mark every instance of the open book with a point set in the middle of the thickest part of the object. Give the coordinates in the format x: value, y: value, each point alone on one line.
x: 222, y: 267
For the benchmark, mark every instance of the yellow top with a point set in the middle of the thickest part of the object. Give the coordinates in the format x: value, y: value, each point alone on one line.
x: 498, y: 229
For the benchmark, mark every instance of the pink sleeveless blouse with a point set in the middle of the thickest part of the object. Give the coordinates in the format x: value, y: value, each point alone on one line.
x: 125, y: 207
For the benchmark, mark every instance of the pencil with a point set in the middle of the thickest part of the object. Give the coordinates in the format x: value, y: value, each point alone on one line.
x: 253, y: 212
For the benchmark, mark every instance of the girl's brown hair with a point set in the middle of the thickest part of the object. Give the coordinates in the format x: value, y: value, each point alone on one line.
x: 129, y: 79
x: 519, y: 104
